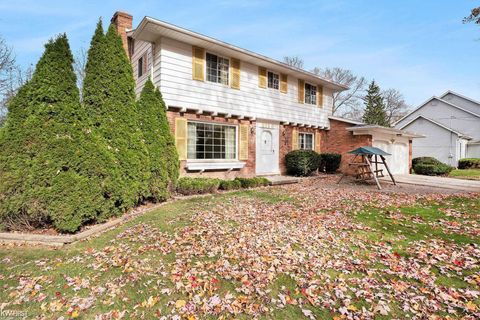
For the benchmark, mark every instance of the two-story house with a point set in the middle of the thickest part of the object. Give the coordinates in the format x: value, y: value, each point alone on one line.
x: 233, y: 111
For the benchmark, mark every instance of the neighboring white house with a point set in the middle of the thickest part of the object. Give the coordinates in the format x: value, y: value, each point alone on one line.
x: 451, y: 126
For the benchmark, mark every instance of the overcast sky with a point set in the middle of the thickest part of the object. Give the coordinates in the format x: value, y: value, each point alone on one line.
x: 418, y: 47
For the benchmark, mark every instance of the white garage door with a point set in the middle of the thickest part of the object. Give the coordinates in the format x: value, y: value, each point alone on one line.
x: 398, y: 160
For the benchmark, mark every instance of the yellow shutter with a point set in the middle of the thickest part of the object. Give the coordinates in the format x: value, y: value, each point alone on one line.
x: 181, y: 137
x: 243, y: 142
x: 320, y: 96
x: 198, y: 63
x: 283, y: 83
x: 294, y: 139
x: 301, y: 91
x: 317, y: 141
x: 235, y: 70
x: 262, y: 77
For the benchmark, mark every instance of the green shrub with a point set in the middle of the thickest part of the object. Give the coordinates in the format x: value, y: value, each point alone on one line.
x: 253, y: 182
x: 159, y: 142
x: 330, y: 162
x: 432, y: 169
x: 469, y: 163
x: 302, y: 162
x: 424, y: 160
x: 189, y: 186
x: 51, y: 163
x: 430, y: 166
x: 109, y: 99
x: 230, y: 184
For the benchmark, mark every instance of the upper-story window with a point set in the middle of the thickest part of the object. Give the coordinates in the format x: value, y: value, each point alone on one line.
x: 310, y: 94
x: 217, y: 69
x: 273, y: 80
x: 142, y: 65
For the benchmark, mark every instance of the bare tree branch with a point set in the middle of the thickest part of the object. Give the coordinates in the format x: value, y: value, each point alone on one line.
x: 348, y: 102
x: 473, y: 17
x: 294, y: 61
x: 395, y: 105
x: 79, y: 66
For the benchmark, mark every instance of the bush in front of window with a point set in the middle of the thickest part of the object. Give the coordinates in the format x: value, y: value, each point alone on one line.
x: 469, y: 163
x: 189, y: 186
x: 302, y: 163
x: 330, y: 162
x: 230, y: 185
x: 159, y: 141
x: 253, y: 182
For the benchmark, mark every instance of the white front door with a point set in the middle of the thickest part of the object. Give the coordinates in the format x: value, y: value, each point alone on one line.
x: 267, y: 148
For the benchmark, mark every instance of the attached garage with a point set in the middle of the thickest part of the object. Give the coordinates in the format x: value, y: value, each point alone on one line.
x: 394, y: 141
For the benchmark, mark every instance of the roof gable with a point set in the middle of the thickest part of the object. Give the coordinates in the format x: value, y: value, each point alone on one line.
x: 462, y: 135
x: 426, y: 103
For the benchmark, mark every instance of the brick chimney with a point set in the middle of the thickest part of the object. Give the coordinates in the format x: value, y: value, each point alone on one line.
x: 123, y: 22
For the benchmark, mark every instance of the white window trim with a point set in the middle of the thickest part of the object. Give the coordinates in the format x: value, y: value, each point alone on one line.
x: 237, y: 144
x: 278, y: 74
x: 229, y: 67
x: 313, y: 140
x: 305, y: 93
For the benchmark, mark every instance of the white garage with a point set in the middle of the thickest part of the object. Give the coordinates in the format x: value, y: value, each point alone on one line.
x: 394, y: 141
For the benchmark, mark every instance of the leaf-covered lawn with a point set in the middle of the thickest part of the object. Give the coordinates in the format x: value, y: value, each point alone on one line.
x: 313, y: 250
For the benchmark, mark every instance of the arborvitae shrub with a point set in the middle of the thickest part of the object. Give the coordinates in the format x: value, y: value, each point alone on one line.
x: 109, y: 98
x: 48, y: 153
x: 159, y: 142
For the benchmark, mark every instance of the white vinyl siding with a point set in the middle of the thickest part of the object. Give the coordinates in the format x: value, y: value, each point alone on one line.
x: 173, y: 75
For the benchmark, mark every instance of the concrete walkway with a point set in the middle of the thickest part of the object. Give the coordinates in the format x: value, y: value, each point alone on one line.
x: 279, y: 179
x: 438, y: 182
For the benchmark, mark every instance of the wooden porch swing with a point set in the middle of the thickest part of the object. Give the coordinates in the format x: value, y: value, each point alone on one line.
x: 365, y: 158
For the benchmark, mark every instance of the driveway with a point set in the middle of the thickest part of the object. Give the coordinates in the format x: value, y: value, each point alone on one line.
x: 439, y: 182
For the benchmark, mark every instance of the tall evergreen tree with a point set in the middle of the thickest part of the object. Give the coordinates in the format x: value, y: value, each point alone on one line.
x: 109, y: 97
x: 159, y: 141
x: 375, y: 112
x: 49, y: 158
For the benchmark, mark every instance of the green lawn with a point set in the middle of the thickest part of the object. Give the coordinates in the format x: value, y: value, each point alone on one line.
x: 470, y: 174
x: 299, y: 251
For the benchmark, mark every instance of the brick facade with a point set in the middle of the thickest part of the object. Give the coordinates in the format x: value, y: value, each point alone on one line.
x: 286, y: 141
x: 247, y: 171
x: 339, y: 140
